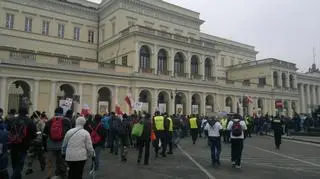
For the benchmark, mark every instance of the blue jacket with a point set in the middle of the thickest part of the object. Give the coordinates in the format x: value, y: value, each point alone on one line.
x: 4, y: 159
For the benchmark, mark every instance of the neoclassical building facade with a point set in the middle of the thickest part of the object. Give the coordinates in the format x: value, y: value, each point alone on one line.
x: 97, y: 54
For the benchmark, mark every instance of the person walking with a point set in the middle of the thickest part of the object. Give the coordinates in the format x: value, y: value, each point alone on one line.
x: 124, y: 133
x: 4, y: 158
x: 21, y: 132
x: 278, y: 131
x: 193, y: 125
x: 237, y: 128
x: 76, y: 148
x: 98, y: 137
x: 214, y: 129
x: 144, y: 140
x: 54, y: 132
x: 160, y: 126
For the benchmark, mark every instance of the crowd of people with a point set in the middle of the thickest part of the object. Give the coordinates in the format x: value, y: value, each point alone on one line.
x: 64, y: 143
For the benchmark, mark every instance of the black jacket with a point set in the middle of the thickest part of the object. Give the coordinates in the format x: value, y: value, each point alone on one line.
x: 31, y: 132
x: 146, y: 129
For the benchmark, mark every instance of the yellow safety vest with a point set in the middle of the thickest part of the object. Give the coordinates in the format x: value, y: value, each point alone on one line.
x: 224, y: 123
x: 171, y: 124
x: 193, y: 123
x: 159, y: 123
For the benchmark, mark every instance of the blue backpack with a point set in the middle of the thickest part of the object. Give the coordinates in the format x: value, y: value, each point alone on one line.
x: 105, y: 122
x: 3, y: 146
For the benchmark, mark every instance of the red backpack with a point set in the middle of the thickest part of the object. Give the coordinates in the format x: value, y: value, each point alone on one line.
x: 56, y: 129
x: 95, y: 137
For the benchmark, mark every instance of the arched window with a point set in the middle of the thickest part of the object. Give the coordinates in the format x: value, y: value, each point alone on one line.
x: 194, y: 65
x: 162, y: 61
x: 179, y: 63
x: 207, y: 67
x: 144, y: 58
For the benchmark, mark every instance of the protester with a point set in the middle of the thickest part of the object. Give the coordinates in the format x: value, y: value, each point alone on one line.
x: 76, y: 147
x: 144, y: 140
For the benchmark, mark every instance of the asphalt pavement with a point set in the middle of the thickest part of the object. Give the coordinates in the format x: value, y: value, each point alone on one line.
x: 261, y: 160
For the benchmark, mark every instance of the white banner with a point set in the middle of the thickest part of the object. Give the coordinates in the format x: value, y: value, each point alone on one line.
x: 103, y: 107
x: 162, y: 107
x: 195, y: 109
x: 179, y: 109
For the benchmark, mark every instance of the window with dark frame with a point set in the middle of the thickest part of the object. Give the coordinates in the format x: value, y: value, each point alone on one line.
x: 124, y: 60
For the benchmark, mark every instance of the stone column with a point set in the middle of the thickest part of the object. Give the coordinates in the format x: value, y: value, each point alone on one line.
x: 155, y: 59
x: 94, y: 98
x: 35, y: 95
x: 313, y: 95
x: 273, y: 107
x: 172, y: 103
x: 307, y: 91
x: 188, y: 65
x: 3, y: 94
x: 135, y: 94
x: 115, y: 98
x: 203, y: 104
x: 234, y: 104
x: 214, y: 67
x: 216, y: 105
x: 171, y: 62
x: 280, y: 79
x: 302, y: 99
x: 202, y: 70
x: 318, y: 95
x: 272, y: 82
x: 289, y: 108
x: 80, y: 89
x: 154, y: 103
x: 188, y: 103
x: 288, y: 80
x: 53, y: 98
x: 136, y: 60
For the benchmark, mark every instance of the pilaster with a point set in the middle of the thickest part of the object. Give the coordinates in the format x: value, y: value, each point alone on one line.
x: 3, y: 94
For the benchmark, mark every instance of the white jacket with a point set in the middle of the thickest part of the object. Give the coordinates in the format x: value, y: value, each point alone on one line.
x: 79, y: 145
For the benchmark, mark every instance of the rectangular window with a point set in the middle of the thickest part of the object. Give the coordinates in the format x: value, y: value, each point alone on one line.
x: 246, y: 83
x: 76, y: 33
x: 45, y: 28
x: 125, y: 60
x: 102, y: 34
x: 262, y: 81
x: 222, y: 61
x: 113, y: 28
x: 9, y: 21
x: 28, y: 24
x: 61, y: 30
x: 113, y: 62
x: 91, y: 36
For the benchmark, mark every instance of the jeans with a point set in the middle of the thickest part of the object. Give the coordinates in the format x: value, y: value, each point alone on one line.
x: 97, y: 150
x: 114, y: 142
x: 215, y: 145
x: 176, y: 136
x: 236, y: 150
x: 4, y: 161
x: 17, y: 159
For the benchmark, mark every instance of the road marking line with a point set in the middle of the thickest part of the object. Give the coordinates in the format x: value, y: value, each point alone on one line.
x: 285, y: 156
x: 196, y: 163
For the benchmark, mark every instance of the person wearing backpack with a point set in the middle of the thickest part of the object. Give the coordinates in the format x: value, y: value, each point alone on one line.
x: 54, y: 131
x: 36, y: 149
x: 21, y: 132
x: 4, y: 158
x: 98, y: 135
x: 124, y: 133
x: 106, y: 125
x: 214, y: 129
x: 144, y: 140
x: 237, y: 128
x: 114, y: 127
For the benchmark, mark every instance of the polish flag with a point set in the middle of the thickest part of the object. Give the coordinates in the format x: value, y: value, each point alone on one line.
x: 249, y: 98
x: 85, y: 110
x: 117, y: 107
x: 129, y: 99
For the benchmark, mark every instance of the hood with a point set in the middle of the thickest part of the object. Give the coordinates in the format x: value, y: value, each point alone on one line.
x: 236, y: 120
x: 80, y: 121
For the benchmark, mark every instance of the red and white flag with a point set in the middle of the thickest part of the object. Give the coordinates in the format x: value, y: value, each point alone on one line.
x: 117, y: 107
x: 129, y: 99
x: 249, y: 98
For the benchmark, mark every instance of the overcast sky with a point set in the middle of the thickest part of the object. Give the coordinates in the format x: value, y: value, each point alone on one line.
x: 283, y: 29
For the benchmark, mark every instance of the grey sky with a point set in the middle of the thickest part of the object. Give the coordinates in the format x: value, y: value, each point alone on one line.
x: 283, y: 29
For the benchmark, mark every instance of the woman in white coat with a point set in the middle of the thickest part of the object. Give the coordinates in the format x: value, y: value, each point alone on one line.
x: 77, y: 147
